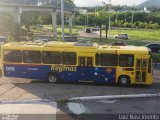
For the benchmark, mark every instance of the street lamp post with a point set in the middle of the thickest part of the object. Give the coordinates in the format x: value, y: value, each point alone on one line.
x: 109, y: 21
x: 87, y: 19
x: 109, y: 18
x: 62, y: 18
x: 95, y: 10
x: 132, y: 16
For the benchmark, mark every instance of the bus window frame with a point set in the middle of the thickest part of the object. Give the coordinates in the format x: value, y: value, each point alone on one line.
x: 69, y: 64
x: 149, y: 65
x: 98, y: 59
x: 126, y: 66
x: 86, y: 61
x: 50, y: 63
x: 99, y: 65
x: 32, y: 62
x: 3, y: 53
x: 61, y: 57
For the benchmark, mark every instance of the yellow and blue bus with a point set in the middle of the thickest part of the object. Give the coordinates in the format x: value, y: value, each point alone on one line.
x: 77, y: 62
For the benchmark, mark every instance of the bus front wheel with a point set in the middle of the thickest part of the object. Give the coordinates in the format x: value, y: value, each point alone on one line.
x: 52, y: 78
x: 124, y: 81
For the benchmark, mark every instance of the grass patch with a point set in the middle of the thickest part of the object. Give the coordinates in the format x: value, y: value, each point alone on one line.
x: 139, y: 34
x: 137, y: 37
x: 64, y: 101
x: 109, y: 41
x: 156, y: 57
x: 75, y: 29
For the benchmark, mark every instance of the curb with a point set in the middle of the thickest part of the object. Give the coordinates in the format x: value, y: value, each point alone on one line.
x: 25, y: 101
x: 116, y: 96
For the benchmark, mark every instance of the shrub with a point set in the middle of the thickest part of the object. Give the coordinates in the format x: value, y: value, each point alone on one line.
x: 156, y: 57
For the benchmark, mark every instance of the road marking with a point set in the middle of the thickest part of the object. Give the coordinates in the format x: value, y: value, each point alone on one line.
x: 77, y: 108
x: 116, y: 96
x: 107, y: 101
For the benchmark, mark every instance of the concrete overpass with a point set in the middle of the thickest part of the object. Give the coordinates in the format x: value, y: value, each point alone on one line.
x: 17, y: 10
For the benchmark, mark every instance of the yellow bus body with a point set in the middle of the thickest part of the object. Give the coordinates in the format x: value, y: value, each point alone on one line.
x: 140, y: 53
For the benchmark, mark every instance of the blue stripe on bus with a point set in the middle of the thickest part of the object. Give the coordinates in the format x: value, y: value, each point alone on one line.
x: 65, y: 73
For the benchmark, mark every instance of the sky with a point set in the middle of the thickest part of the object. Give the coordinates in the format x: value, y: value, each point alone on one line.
x: 92, y: 3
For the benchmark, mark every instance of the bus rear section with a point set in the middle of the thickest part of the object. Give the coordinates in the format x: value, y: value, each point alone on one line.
x: 135, y: 69
x: 143, y: 70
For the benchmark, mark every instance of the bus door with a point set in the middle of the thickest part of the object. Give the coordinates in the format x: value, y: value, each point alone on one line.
x: 85, y: 71
x: 141, y: 70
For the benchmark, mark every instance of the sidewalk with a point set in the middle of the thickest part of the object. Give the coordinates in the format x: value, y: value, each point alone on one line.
x: 28, y: 110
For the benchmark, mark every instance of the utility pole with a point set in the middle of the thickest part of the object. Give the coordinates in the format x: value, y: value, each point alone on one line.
x: 87, y: 19
x: 109, y: 11
x: 62, y: 18
x: 95, y: 10
x: 109, y: 17
x: 132, y: 16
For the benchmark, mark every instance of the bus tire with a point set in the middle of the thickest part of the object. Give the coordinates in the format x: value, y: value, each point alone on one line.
x: 52, y: 78
x: 124, y: 80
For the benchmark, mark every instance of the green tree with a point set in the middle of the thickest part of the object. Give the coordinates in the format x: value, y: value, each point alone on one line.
x: 102, y: 18
x: 68, y: 4
x: 9, y: 27
x: 31, y: 18
x: 155, y: 26
x: 126, y: 24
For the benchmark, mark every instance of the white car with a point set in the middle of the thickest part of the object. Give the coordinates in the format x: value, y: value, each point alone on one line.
x: 121, y: 36
x: 3, y: 38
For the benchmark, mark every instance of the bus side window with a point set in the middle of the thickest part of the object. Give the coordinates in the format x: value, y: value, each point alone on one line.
x: 69, y: 58
x: 138, y: 64
x: 108, y: 59
x: 82, y: 61
x: 149, y: 66
x: 89, y: 61
x: 51, y: 57
x: 97, y: 59
x: 126, y: 60
x: 144, y: 64
x: 31, y: 56
x: 14, y: 56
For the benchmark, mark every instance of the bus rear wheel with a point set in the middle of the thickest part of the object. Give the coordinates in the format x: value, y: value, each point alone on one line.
x: 52, y: 78
x: 124, y: 81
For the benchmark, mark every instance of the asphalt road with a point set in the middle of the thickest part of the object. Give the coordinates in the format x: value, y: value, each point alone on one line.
x: 14, y: 89
x: 93, y: 34
x: 110, y: 109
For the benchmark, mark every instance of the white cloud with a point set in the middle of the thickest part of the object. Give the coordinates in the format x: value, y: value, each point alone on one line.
x: 88, y: 3
x: 127, y: 2
x: 85, y: 3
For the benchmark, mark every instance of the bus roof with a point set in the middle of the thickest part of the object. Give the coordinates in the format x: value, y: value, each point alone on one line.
x: 90, y: 47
